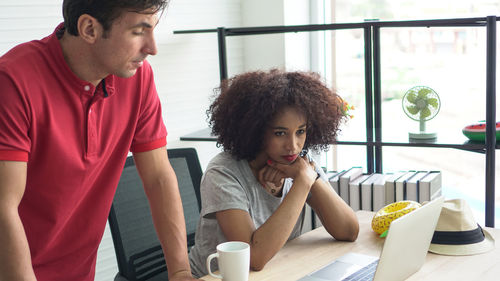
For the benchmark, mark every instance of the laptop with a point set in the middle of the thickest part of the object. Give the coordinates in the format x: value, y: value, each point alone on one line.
x: 403, y: 253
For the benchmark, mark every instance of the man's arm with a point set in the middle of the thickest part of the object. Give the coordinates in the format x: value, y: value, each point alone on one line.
x: 15, y: 258
x: 160, y: 185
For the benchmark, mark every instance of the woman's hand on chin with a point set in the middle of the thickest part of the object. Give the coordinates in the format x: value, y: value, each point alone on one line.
x: 300, y: 169
x: 272, y: 180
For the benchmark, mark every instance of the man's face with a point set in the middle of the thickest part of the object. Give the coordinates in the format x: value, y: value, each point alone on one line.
x: 124, y: 47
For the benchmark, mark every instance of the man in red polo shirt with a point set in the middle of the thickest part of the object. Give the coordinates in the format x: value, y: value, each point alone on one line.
x: 72, y: 106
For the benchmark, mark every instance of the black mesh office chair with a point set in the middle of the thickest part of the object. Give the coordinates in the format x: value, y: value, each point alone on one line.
x: 138, y: 250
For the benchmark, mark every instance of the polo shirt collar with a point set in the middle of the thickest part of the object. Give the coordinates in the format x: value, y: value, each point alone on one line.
x: 107, y: 85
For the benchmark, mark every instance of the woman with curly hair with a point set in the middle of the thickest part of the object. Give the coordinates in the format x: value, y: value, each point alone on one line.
x: 256, y: 189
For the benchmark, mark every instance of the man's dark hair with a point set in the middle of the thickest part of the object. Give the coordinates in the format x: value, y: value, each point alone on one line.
x: 105, y: 11
x: 244, y: 106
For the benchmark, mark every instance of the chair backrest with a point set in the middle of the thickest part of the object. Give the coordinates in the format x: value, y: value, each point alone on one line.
x: 138, y: 250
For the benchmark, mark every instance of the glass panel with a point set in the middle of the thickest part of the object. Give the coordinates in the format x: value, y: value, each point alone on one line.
x: 451, y: 61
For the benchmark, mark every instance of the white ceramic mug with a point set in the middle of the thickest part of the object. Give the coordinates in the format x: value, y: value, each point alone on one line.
x: 234, y: 261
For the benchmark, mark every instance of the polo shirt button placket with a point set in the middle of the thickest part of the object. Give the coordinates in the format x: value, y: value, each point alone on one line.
x: 91, y: 127
x: 92, y: 132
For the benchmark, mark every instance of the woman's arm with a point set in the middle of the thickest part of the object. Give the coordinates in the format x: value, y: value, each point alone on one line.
x: 270, y: 237
x: 336, y: 216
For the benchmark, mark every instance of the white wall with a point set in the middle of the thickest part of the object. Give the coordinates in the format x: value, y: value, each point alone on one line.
x: 263, y: 51
x: 24, y: 20
x: 282, y: 50
x: 297, y: 45
x: 186, y: 67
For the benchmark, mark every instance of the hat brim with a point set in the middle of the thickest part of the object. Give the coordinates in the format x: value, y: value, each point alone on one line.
x: 484, y: 246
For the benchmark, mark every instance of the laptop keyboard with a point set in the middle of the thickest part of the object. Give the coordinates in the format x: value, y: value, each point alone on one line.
x: 365, y: 273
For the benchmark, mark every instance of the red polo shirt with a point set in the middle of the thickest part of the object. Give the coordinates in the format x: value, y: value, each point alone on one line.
x: 75, y: 138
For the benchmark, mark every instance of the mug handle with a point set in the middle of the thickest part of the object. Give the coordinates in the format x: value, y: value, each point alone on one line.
x: 209, y: 259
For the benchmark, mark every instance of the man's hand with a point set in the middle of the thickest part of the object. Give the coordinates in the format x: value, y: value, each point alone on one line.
x: 183, y: 275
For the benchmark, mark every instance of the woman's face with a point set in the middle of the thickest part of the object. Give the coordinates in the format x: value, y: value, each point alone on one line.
x: 285, y: 136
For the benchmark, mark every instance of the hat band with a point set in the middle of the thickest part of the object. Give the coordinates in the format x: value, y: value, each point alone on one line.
x: 458, y: 237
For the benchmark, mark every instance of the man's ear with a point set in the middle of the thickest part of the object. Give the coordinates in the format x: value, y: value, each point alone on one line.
x: 89, y: 28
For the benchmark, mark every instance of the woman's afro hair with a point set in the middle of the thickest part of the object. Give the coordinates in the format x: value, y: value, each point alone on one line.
x: 244, y: 106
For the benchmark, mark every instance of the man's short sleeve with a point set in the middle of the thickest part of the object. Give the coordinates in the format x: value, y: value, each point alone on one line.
x: 14, y: 122
x: 150, y: 132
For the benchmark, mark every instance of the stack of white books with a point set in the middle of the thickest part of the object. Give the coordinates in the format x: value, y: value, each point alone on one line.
x: 372, y: 192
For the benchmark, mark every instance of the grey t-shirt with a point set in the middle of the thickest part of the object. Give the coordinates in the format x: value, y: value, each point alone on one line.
x: 230, y: 184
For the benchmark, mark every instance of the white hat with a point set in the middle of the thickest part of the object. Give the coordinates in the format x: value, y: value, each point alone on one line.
x: 457, y: 233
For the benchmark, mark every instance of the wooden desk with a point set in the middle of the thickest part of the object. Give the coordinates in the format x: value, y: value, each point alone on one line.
x: 316, y: 248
